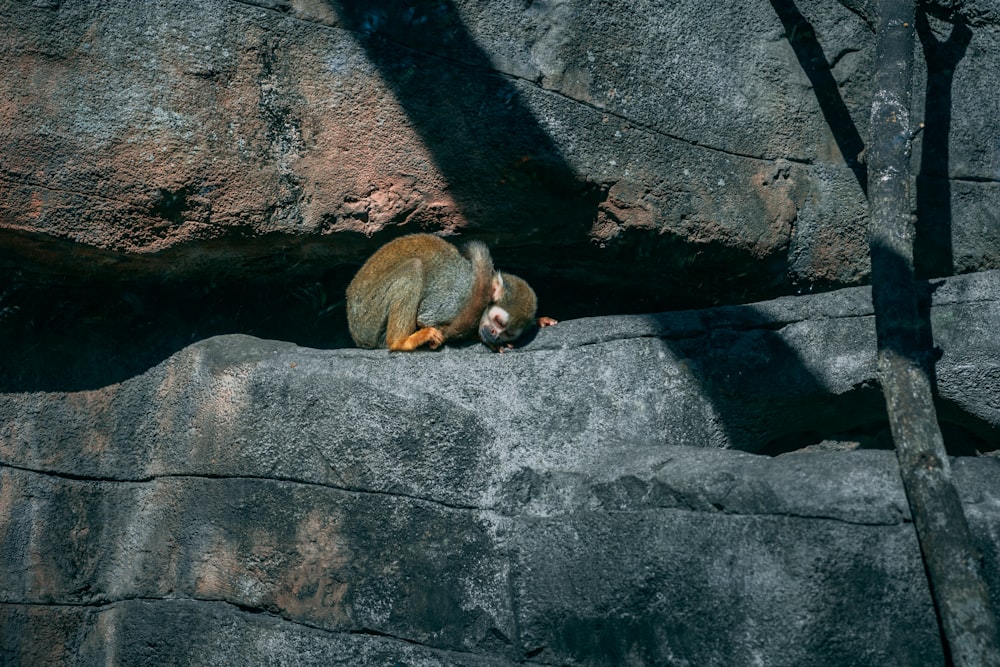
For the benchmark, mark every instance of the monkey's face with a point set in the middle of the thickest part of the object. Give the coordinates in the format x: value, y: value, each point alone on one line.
x: 512, y: 312
x: 495, y: 329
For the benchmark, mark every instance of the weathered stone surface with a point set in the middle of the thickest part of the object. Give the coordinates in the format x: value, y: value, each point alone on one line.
x: 598, y: 496
x: 712, y: 155
x: 139, y: 571
x: 578, y: 500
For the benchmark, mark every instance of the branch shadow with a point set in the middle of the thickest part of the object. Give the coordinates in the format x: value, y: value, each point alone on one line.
x: 932, y: 248
x: 800, y: 374
x: 802, y: 38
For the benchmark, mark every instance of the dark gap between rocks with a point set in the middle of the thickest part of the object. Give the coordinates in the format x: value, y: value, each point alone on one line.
x: 74, y: 331
x: 960, y: 439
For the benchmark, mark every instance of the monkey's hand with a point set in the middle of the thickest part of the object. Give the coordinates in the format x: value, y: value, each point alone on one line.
x: 546, y: 322
x: 434, y: 338
x: 430, y: 336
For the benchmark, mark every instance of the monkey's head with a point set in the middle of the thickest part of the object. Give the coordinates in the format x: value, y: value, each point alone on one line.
x: 510, y: 313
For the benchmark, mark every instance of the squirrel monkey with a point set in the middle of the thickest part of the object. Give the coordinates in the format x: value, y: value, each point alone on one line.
x: 510, y: 313
x: 420, y: 290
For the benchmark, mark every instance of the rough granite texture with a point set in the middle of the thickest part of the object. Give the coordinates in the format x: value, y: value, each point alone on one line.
x: 713, y: 155
x: 696, y: 487
x: 579, y: 500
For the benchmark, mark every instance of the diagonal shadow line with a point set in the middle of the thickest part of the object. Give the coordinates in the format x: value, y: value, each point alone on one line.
x: 501, y: 167
x: 445, y: 111
x: 932, y: 247
x: 499, y: 163
x: 932, y: 244
x: 802, y: 38
x: 485, y: 163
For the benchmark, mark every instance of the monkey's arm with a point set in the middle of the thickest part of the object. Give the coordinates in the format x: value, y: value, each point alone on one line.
x: 429, y: 335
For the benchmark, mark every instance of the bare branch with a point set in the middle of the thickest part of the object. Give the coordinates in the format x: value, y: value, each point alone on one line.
x: 953, y: 568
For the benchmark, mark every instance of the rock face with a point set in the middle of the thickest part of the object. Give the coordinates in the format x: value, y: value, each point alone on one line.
x: 700, y: 487
x: 709, y: 156
x: 580, y: 500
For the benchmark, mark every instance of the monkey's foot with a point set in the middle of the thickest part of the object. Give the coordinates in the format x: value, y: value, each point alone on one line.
x: 434, y: 338
x: 429, y: 335
x: 546, y: 321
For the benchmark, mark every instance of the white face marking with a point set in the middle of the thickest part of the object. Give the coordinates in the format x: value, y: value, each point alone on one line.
x: 493, y: 326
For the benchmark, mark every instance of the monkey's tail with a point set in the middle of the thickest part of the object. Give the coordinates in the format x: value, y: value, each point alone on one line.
x: 467, y: 321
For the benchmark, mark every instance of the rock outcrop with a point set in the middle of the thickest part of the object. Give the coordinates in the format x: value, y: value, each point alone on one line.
x: 579, y: 500
x: 695, y: 487
x: 711, y: 157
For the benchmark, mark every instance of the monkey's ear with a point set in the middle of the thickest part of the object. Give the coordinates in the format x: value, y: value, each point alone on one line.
x: 496, y: 287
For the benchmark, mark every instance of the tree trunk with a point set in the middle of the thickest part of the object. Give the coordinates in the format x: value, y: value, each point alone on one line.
x: 953, y: 568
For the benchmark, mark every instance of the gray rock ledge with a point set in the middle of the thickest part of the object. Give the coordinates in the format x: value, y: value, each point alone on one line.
x: 594, y: 497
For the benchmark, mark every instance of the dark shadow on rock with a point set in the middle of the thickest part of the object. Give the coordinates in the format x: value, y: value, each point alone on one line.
x: 501, y: 165
x: 802, y: 38
x: 73, y: 332
x: 772, y: 400
x: 768, y: 399
x: 933, y: 244
x: 73, y: 338
x: 493, y: 169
